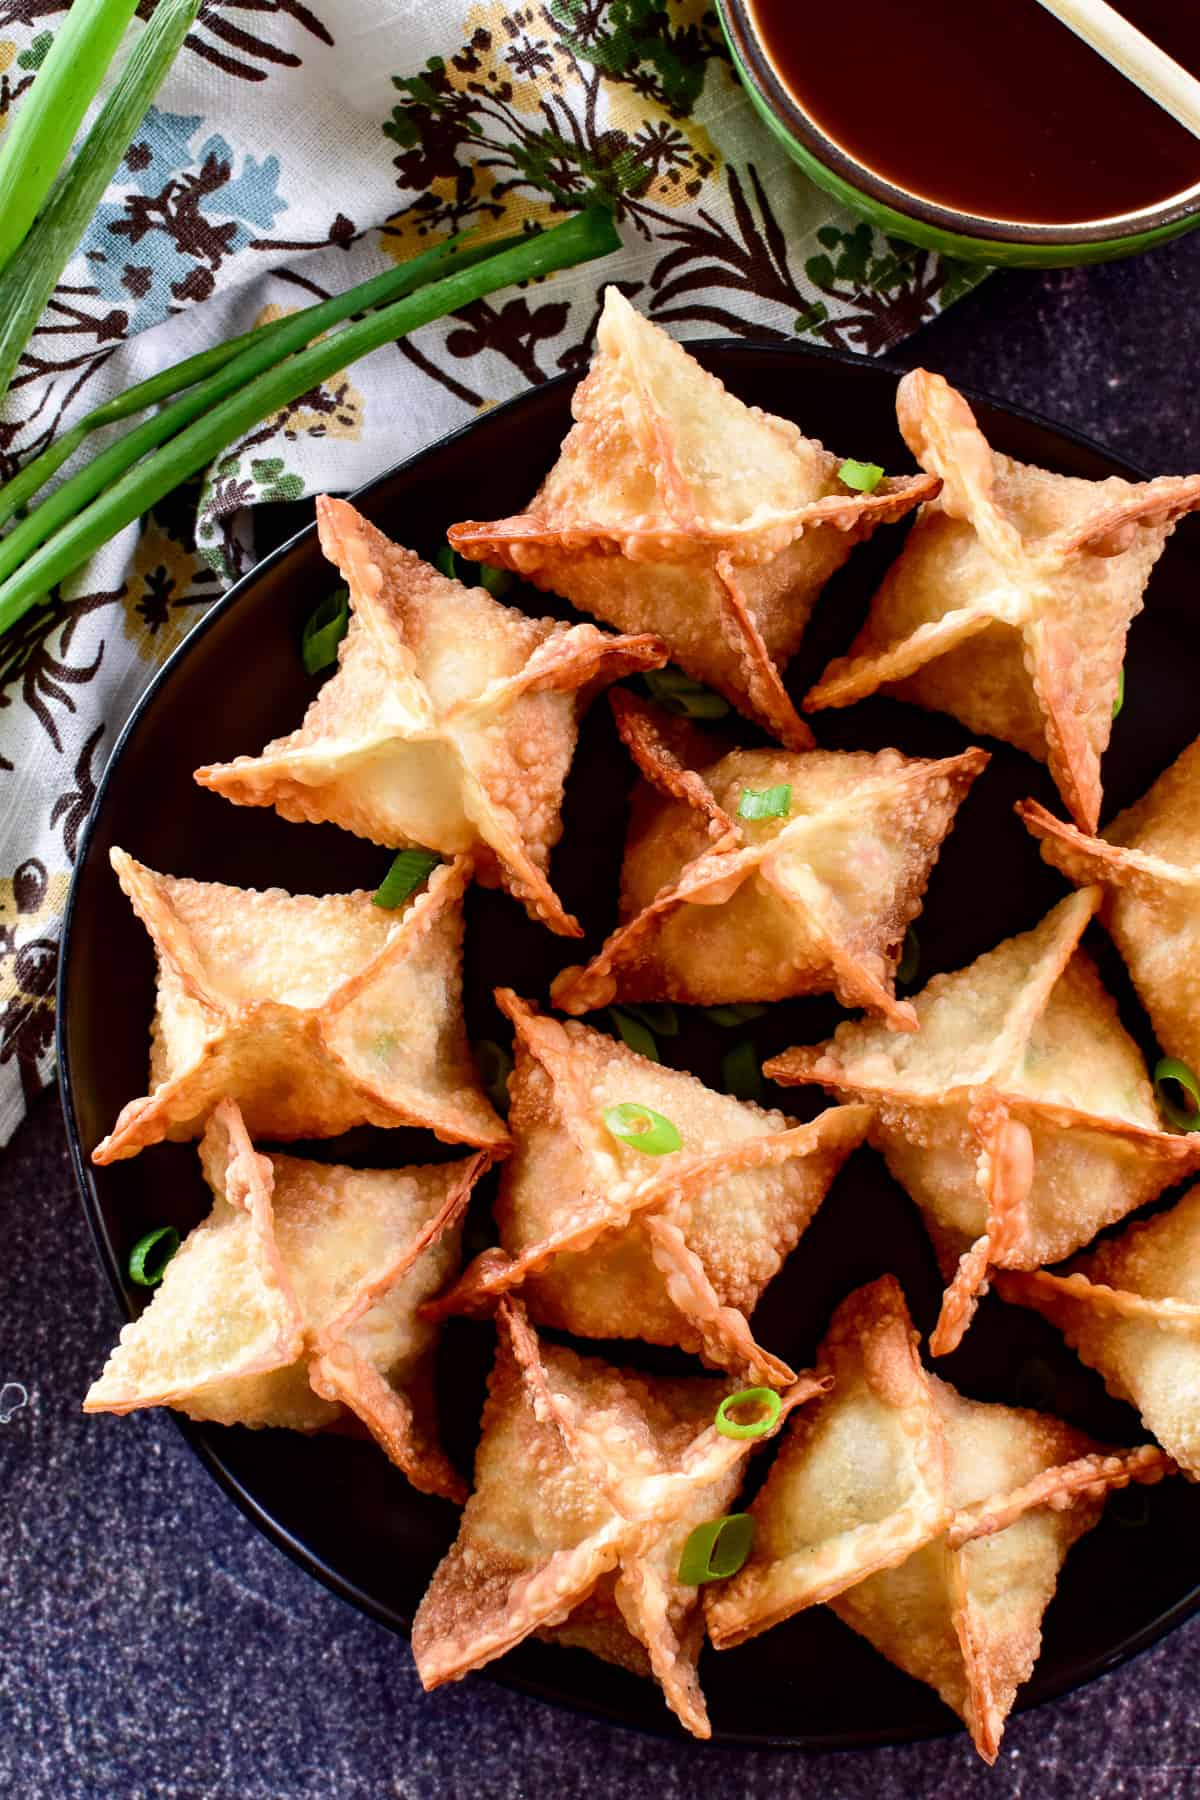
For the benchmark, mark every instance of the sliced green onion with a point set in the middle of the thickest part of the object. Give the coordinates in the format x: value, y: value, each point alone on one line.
x: 741, y: 1072
x: 259, y: 394
x: 269, y: 343
x: 150, y: 1255
x: 1119, y: 702
x: 28, y: 280
x: 760, y: 1396
x: 324, y: 630
x: 765, y: 803
x: 484, y: 575
x: 662, y: 1020
x: 495, y: 1066
x: 446, y: 563
x: 41, y: 131
x: 409, y: 869
x: 678, y: 693
x: 635, y: 1034
x: 717, y: 1550
x: 728, y: 1016
x: 863, y: 477
x: 910, y: 958
x: 1171, y: 1073
x: 642, y: 1128
x: 496, y: 581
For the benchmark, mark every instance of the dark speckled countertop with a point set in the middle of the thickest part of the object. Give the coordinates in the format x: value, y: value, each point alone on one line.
x: 153, y: 1644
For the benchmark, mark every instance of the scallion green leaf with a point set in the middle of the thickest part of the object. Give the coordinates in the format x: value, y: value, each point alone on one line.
x: 741, y: 1072
x: 635, y: 1034
x: 729, y: 1016
x: 495, y: 1066
x: 863, y: 477
x: 662, y: 1020
x: 1119, y: 702
x: 324, y: 630
x: 456, y: 568
x: 765, y: 803
x: 257, y: 395
x: 269, y: 344
x: 717, y: 1550
x: 1171, y: 1074
x: 41, y: 130
x: 446, y: 562
x: 678, y: 693
x: 763, y: 1397
x: 496, y: 581
x: 409, y: 869
x: 642, y: 1128
x: 910, y: 958
x: 150, y: 1255
x: 28, y: 280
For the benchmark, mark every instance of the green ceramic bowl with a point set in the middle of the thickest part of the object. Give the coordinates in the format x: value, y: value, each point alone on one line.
x: 922, y: 221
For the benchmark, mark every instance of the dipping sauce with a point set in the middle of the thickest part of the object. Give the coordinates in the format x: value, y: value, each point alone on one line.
x: 989, y: 106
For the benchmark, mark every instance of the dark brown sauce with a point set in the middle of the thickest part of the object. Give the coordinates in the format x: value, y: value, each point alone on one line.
x: 989, y: 106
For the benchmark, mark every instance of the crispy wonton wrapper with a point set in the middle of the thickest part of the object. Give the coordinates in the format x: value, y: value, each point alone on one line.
x: 1148, y: 862
x: 1131, y: 1310
x: 716, y: 908
x: 677, y: 509
x: 588, y: 1482
x: 934, y: 1525
x: 1010, y: 602
x: 315, y: 1013
x: 606, y: 1241
x: 299, y: 1296
x: 1020, y: 1117
x: 450, y: 723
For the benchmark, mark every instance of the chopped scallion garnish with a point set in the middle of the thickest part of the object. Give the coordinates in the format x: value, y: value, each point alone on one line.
x: 1170, y: 1074
x: 910, y: 958
x: 728, y: 1016
x: 635, y: 1034
x: 495, y: 1066
x: 324, y: 629
x: 446, y: 562
x: 642, y: 1128
x: 484, y: 575
x: 765, y: 803
x: 409, y: 869
x: 662, y: 1020
x: 764, y: 1398
x: 1119, y: 702
x: 678, y: 693
x: 496, y: 581
x: 741, y: 1072
x: 150, y: 1255
x: 863, y: 477
x: 717, y: 1550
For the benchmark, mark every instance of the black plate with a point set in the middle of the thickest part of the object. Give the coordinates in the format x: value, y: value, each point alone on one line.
x: 337, y: 1505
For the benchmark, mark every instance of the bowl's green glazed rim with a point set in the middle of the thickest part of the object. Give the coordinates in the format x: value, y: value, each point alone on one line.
x: 925, y: 222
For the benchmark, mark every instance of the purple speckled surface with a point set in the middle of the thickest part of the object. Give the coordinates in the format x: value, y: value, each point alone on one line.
x: 152, y: 1644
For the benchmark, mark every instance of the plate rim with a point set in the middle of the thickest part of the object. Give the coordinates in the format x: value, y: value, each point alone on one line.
x: 193, y: 1434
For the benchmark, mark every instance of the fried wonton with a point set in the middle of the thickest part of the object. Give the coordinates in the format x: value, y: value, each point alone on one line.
x: 933, y: 1524
x: 1131, y: 1310
x: 717, y: 908
x: 314, y: 1012
x: 1020, y: 1116
x: 451, y: 721
x: 607, y: 1241
x: 1148, y: 862
x: 1011, y: 599
x: 588, y: 1482
x: 675, y: 508
x: 299, y: 1297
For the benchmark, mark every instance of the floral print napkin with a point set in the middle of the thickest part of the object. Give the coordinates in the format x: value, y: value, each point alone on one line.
x: 298, y: 148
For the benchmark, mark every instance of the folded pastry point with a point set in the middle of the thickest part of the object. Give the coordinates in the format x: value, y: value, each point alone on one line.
x: 1011, y: 599
x: 1020, y: 1116
x: 299, y: 1296
x: 1148, y: 863
x: 717, y: 908
x: 588, y: 1482
x: 314, y: 1012
x: 450, y: 723
x: 607, y: 1241
x: 934, y: 1525
x: 675, y: 508
x: 1131, y: 1310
